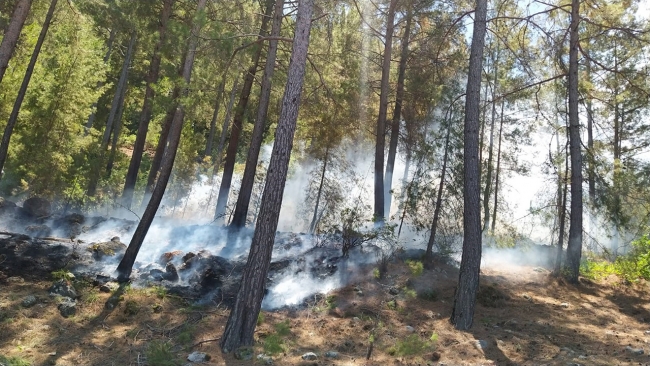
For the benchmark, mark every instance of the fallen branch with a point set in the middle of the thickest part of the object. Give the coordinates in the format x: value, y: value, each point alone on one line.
x: 205, y: 341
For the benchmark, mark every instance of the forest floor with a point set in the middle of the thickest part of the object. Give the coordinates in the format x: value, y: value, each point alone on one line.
x: 524, y: 316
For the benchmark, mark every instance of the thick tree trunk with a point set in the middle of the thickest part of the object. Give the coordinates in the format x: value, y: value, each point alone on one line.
x: 314, y: 219
x: 498, y: 170
x: 470, y: 265
x: 13, y: 118
x: 12, y: 33
x: 126, y: 264
x: 381, y: 118
x: 488, y: 175
x: 397, y: 114
x: 436, y: 211
x: 574, y: 249
x: 243, y: 316
x: 233, y: 143
x: 248, y: 179
x: 115, y: 106
x: 107, y: 56
x: 147, y: 107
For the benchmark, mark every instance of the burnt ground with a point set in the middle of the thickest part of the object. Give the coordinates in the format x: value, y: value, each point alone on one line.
x: 524, y: 316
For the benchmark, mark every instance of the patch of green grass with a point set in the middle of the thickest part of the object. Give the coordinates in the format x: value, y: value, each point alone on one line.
x: 273, y: 344
x: 160, y: 291
x: 160, y: 354
x: 186, y: 335
x: 283, y: 329
x: 410, y: 346
x: 330, y: 300
x: 131, y: 307
x: 14, y: 361
x: 62, y: 274
x: 429, y: 295
x: 416, y: 267
x: 376, y: 273
x: 260, y: 318
x: 392, y: 304
x: 410, y: 293
x: 90, y: 297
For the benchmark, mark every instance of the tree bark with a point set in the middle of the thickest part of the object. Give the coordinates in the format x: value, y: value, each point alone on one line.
x: 436, y: 212
x: 116, y: 134
x: 314, y: 219
x: 107, y: 56
x: 248, y: 179
x: 470, y: 265
x: 381, y: 118
x: 243, y: 316
x: 215, y: 115
x: 498, y: 170
x: 561, y: 197
x: 147, y: 107
x: 12, y: 33
x: 224, y: 128
x: 13, y: 118
x: 126, y: 264
x: 231, y: 153
x: 574, y: 249
x: 397, y: 114
x: 115, y: 106
x: 488, y: 176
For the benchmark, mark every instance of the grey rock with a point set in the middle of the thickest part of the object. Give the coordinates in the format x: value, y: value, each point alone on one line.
x: 481, y: 344
x: 244, y: 353
x: 309, y: 356
x: 37, y: 207
x: 198, y: 357
x: 67, y: 307
x: 634, y: 351
x: 29, y: 301
x: 393, y: 291
x: 332, y: 354
x: 109, y: 287
x: 266, y: 360
x: 564, y: 305
x: 410, y: 329
x: 63, y: 288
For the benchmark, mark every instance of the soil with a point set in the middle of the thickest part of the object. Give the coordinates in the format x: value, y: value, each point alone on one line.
x: 524, y: 316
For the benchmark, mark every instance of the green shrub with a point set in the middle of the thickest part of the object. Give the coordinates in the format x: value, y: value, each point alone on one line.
x: 14, y: 361
x: 160, y: 354
x: 283, y: 329
x: 273, y: 344
x: 416, y: 267
x: 260, y: 318
x: 410, y: 346
x: 631, y: 267
x: 62, y: 274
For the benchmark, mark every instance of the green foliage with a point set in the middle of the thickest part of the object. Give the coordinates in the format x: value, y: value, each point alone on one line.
x: 186, y: 335
x: 160, y: 354
x: 160, y: 291
x: 14, y: 361
x: 283, y: 329
x: 631, y: 267
x: 273, y: 344
x: 411, y: 346
x: 330, y: 301
x: 416, y: 267
x: 131, y: 307
x: 260, y: 318
x: 410, y: 293
x: 429, y: 295
x: 62, y: 274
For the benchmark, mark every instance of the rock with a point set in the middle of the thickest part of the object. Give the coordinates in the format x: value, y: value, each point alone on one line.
x: 198, y: 357
x: 109, y: 287
x: 393, y: 291
x: 435, y: 356
x: 309, y: 356
x: 29, y: 301
x: 634, y: 351
x: 564, y: 305
x: 37, y: 207
x: 481, y: 344
x: 244, y: 353
x: 69, y: 226
x: 527, y: 297
x: 4, y: 203
x: 168, y: 256
x: 67, y: 307
x: 106, y: 249
x: 266, y: 360
x: 63, y: 288
x: 410, y: 329
x: 331, y: 354
x: 38, y: 230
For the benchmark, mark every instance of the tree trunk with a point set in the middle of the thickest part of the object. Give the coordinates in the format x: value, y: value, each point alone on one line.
x: 231, y: 153
x: 13, y: 118
x: 381, y: 118
x: 91, y: 118
x: 314, y: 219
x: 561, y: 196
x: 397, y: 113
x: 116, y: 135
x: 248, y: 179
x: 147, y: 107
x: 498, y: 170
x: 574, y: 249
x: 12, y: 33
x: 243, y: 316
x: 115, y: 106
x: 470, y: 265
x: 126, y: 264
x: 488, y: 176
x: 215, y: 115
x: 436, y: 212
x: 224, y: 129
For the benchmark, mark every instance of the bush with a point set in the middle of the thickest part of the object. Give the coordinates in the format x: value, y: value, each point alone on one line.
x: 411, y: 345
x: 416, y: 267
x: 631, y: 267
x: 14, y: 361
x: 160, y: 354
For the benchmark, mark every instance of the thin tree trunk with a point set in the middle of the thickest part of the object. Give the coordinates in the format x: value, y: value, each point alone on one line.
x: 126, y: 264
x: 233, y: 143
x: 470, y: 265
x: 13, y: 118
x: 381, y: 118
x: 215, y: 115
x: 397, y: 113
x: 91, y: 117
x: 224, y: 128
x: 312, y: 225
x: 436, y: 212
x: 248, y: 179
x: 147, y: 107
x: 574, y: 249
x: 12, y: 33
x: 241, y: 323
x: 562, y: 195
x: 115, y: 106
x: 116, y: 135
x: 498, y: 170
x: 488, y: 176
